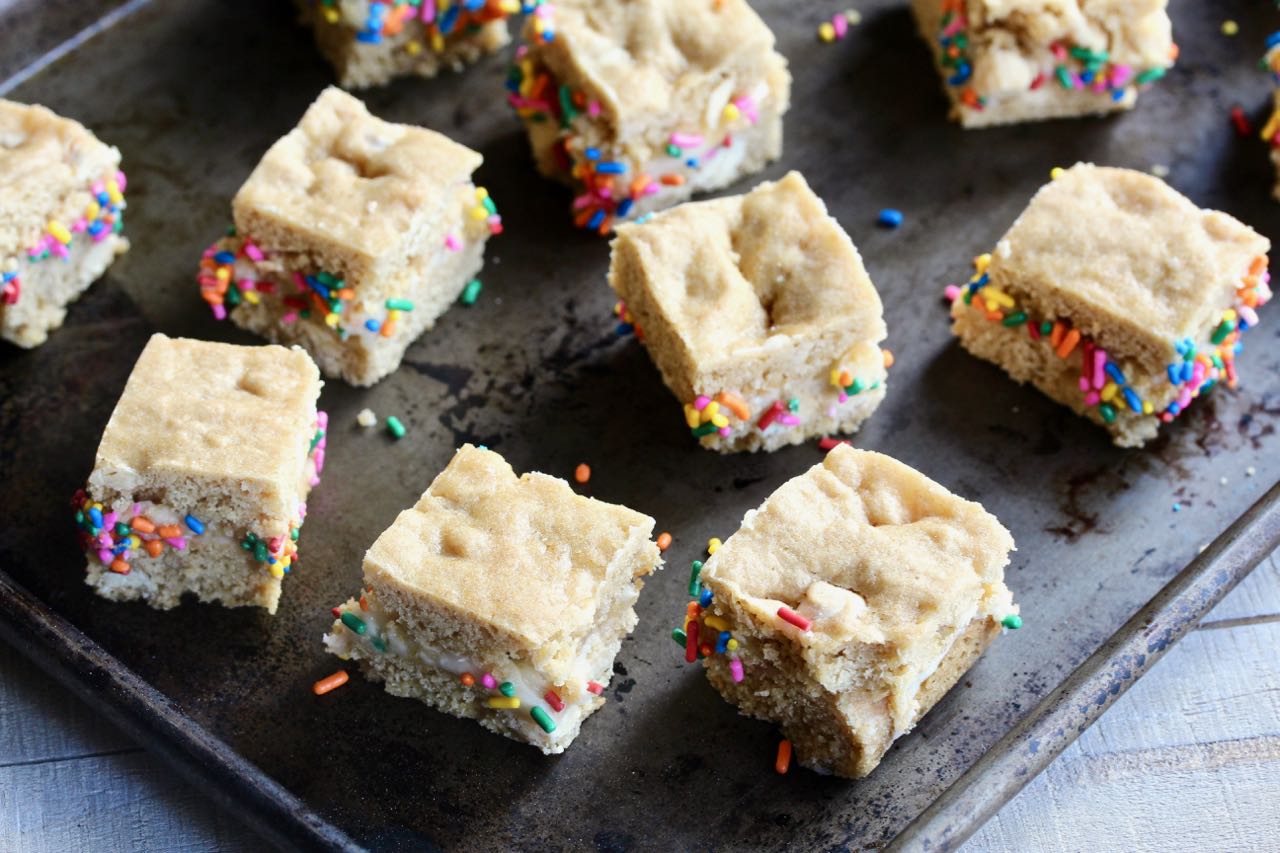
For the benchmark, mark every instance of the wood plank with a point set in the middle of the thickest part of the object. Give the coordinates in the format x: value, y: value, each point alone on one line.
x: 116, y: 802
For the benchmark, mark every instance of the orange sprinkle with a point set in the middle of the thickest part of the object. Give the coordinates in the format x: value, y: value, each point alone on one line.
x: 1259, y: 264
x: 1056, y: 337
x: 605, y: 226
x: 142, y: 524
x: 888, y: 358
x: 169, y: 531
x: 673, y: 180
x: 664, y: 541
x: 706, y: 650
x: 330, y: 682
x: 735, y: 404
x: 783, y: 762
x: 388, y: 328
x: 468, y: 679
x: 845, y: 378
x: 120, y: 566
x: 638, y: 185
x: 154, y: 547
x: 1069, y: 341
x: 582, y: 473
x: 364, y: 603
x: 345, y: 293
x: 1174, y: 50
x: 994, y: 316
x: 584, y: 217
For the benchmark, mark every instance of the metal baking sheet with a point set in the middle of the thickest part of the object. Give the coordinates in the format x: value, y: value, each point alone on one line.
x: 193, y: 92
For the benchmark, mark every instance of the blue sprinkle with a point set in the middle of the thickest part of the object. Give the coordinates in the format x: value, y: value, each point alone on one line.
x: 1188, y: 369
x: 1174, y: 408
x: 196, y: 525
x: 372, y: 325
x: 624, y: 207
x: 596, y: 219
x: 95, y: 516
x: 704, y: 600
x: 722, y: 642
x: 103, y: 198
x: 472, y: 5
x: 963, y: 72
x: 692, y: 162
x: 548, y: 36
x: 369, y: 37
x: 1117, y: 94
x: 1273, y: 39
x: 645, y: 218
x: 611, y: 168
x: 1114, y: 372
x: 1175, y: 374
x: 1086, y: 76
x: 1131, y: 397
x: 1177, y: 507
x: 592, y: 153
x: 891, y: 218
x: 225, y: 258
x: 449, y: 19
x: 623, y: 329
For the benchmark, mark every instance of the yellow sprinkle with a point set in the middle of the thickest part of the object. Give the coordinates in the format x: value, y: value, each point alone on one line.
x: 691, y: 415
x: 981, y: 263
x: 835, y: 376
x: 481, y: 193
x: 1147, y: 408
x: 59, y: 231
x: 479, y: 213
x: 276, y: 572
x: 826, y: 32
x: 1229, y: 315
x: 713, y: 545
x: 509, y: 7
x: 413, y: 47
x: 509, y: 703
x: 712, y: 409
x: 1230, y: 28
x: 1272, y: 125
x: 999, y: 297
x: 730, y: 113
x: 719, y: 421
x: 716, y: 622
x: 1056, y: 172
x: 732, y: 645
x: 1109, y: 392
x: 91, y: 212
x: 332, y: 320
x: 252, y: 297
x: 437, y: 42
x: 113, y: 192
x: 331, y: 15
x: 223, y: 274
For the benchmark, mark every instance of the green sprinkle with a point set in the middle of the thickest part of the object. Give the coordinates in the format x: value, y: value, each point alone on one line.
x: 543, y: 719
x: 316, y: 439
x: 122, y: 529
x: 679, y: 636
x: 1150, y: 75
x: 79, y: 516
x: 506, y: 688
x: 568, y: 112
x: 1064, y: 77
x: 471, y: 292
x: 293, y: 533
x: 1085, y: 55
x: 704, y: 429
x: 354, y: 622
x: 378, y: 643
x: 1046, y: 328
x: 395, y: 427
x: 1015, y: 319
x: 233, y: 295
x: 490, y: 206
x: 327, y: 279
x: 260, y: 551
x: 695, y: 569
x: 399, y: 305
x: 793, y: 405
x: 1013, y: 621
x: 1225, y: 328
x: 856, y: 388
x: 1108, y: 412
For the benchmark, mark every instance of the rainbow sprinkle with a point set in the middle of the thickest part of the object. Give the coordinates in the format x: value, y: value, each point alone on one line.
x: 1071, y: 66
x: 119, y: 538
x: 431, y: 23
x: 1104, y: 384
x: 101, y: 217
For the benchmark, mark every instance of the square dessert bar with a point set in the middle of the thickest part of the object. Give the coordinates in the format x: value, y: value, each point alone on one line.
x: 351, y: 237
x: 848, y: 604
x: 1116, y: 296
x: 60, y: 218
x: 758, y: 313
x: 1006, y: 61
x: 370, y: 42
x: 201, y: 479
x: 500, y: 598
x: 637, y: 105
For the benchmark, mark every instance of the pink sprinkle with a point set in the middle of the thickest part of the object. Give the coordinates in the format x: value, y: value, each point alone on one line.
x: 452, y: 243
x: 841, y: 25
x: 1248, y: 315
x: 1092, y: 398
x: 97, y: 187
x: 701, y: 402
x: 219, y: 311
x: 1084, y: 384
x: 828, y: 443
x: 300, y: 281
x: 106, y: 557
x: 831, y: 410
x: 109, y: 520
x: 735, y: 665
x: 686, y: 140
x: 322, y: 420
x: 247, y: 284
x: 319, y: 459
x: 789, y: 420
x: 428, y: 11
x: 544, y: 11
x: 79, y: 225
x: 289, y: 318
x: 488, y: 681
x: 1184, y: 398
x: 253, y: 252
x: 177, y: 542
x: 747, y: 106
x: 1099, y: 368
x: 1059, y: 52
x: 592, y: 686
x: 786, y: 614
x: 724, y: 431
x: 121, y: 181
x: 522, y: 51
x: 593, y: 108
x: 952, y: 293
x: 137, y: 509
x: 1120, y: 75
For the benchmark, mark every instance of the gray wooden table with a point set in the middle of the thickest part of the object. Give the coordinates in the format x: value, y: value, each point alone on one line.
x: 1188, y: 760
